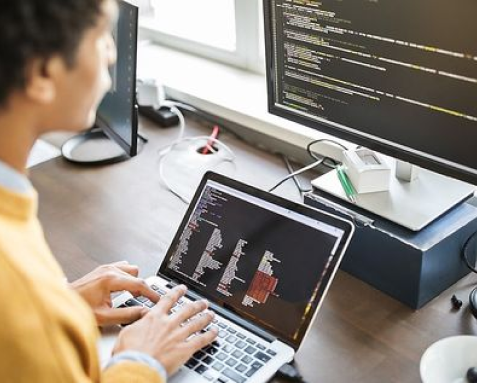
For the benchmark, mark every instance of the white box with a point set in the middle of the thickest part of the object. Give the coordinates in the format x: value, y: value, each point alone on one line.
x: 367, y: 170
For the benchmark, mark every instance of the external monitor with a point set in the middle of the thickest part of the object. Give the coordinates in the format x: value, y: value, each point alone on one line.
x: 115, y: 134
x: 117, y: 114
x: 398, y: 77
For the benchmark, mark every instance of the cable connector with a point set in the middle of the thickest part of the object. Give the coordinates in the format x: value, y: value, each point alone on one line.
x: 290, y: 373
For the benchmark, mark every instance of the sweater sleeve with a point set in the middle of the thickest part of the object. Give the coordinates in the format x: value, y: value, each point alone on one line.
x: 131, y: 372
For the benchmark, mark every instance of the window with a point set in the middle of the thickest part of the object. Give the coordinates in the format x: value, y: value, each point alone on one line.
x: 225, y: 30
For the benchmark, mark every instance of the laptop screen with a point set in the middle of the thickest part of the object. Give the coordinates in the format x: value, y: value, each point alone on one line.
x: 265, y: 258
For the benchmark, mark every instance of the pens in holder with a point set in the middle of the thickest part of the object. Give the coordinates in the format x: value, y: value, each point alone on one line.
x: 346, y: 184
x: 213, y: 136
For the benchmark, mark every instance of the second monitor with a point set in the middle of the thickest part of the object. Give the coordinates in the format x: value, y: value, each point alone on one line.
x: 115, y: 135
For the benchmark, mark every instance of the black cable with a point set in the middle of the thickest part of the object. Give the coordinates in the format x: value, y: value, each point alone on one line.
x: 302, y: 170
x: 300, y: 188
x: 290, y: 373
x: 330, y: 163
x: 456, y: 303
x: 314, y: 142
x: 465, y: 258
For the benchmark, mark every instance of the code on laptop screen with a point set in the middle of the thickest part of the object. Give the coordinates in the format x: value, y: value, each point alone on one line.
x: 266, y: 262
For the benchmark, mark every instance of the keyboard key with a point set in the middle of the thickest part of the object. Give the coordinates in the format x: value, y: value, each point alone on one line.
x: 240, y: 335
x: 231, y: 362
x: 241, y: 368
x: 222, y: 356
x: 262, y: 357
x: 231, y: 339
x: 222, y: 334
x: 240, y: 344
x: 158, y: 289
x: 201, y: 369
x: 247, y: 359
x: 250, y: 350
x: 132, y: 303
x: 231, y: 330
x: 211, y: 350
x: 218, y: 366
x: 208, y: 376
x: 191, y: 363
x: 271, y: 352
x: 199, y: 355
x: 250, y: 372
x: 222, y: 325
x: 228, y: 348
x: 211, y: 327
x: 237, y: 354
x: 208, y: 360
x: 255, y: 367
x: 142, y: 299
x: 251, y: 341
x: 231, y: 374
x: 261, y: 347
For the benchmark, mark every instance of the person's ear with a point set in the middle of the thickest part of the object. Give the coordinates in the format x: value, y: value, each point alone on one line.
x: 41, y: 84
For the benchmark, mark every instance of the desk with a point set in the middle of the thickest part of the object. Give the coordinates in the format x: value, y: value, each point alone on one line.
x: 104, y: 214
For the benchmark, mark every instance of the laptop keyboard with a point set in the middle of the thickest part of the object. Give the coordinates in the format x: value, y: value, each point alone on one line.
x: 232, y: 357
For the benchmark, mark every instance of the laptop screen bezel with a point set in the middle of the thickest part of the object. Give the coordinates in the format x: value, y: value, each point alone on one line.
x: 337, y: 222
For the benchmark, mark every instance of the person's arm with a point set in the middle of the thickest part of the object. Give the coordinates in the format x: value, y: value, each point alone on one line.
x: 131, y: 372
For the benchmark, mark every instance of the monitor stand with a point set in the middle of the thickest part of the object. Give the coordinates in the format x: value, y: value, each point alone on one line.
x: 94, y: 147
x: 412, y: 204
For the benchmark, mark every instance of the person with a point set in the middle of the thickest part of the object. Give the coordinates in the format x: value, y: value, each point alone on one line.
x: 54, y: 64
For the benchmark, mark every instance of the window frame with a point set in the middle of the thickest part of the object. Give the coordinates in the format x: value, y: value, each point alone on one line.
x: 248, y: 39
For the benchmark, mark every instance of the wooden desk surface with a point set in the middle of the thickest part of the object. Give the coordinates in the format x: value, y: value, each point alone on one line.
x: 104, y: 214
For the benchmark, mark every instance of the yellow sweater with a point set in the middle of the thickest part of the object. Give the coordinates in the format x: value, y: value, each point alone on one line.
x: 47, y: 332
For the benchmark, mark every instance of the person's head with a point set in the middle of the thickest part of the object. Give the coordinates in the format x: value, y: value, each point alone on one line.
x: 54, y: 59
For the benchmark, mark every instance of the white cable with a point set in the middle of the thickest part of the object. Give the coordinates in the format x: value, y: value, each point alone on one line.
x: 181, y: 139
x: 173, y: 106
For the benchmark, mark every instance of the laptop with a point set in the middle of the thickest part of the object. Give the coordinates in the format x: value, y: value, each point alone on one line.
x: 264, y: 263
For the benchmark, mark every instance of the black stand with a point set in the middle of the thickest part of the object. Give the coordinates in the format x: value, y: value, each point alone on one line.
x: 94, y: 147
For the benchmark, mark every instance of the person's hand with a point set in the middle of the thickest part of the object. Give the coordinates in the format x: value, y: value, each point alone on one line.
x: 97, y: 286
x: 166, y: 337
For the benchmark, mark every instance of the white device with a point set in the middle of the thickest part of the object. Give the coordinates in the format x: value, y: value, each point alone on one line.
x: 367, y: 170
x: 150, y: 93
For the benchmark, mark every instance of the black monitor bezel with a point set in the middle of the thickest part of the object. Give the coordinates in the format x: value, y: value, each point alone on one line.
x: 130, y: 148
x: 407, y: 154
x: 322, y: 216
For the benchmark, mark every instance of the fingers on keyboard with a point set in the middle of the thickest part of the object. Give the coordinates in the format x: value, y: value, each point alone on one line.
x: 187, y: 311
x: 197, y: 324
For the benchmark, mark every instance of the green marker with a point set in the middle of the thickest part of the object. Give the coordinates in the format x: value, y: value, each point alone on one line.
x: 346, y: 184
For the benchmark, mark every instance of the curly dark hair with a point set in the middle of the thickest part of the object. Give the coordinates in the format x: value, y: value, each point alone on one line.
x: 32, y: 29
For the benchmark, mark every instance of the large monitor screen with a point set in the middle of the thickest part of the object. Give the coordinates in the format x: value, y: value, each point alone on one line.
x: 117, y: 114
x: 399, y: 77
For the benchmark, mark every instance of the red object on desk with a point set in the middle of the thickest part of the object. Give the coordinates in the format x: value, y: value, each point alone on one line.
x: 212, y: 138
